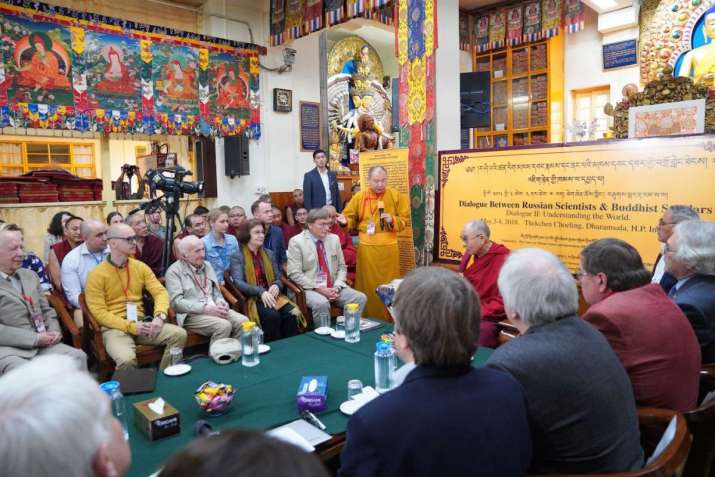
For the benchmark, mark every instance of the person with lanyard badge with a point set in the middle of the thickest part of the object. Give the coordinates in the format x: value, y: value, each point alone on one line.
x: 28, y: 325
x: 378, y: 213
x: 81, y: 260
x: 114, y: 296
x: 220, y: 246
x: 195, y: 295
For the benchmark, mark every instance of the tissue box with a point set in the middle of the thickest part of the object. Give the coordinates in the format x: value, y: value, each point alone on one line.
x: 312, y: 393
x: 153, y: 425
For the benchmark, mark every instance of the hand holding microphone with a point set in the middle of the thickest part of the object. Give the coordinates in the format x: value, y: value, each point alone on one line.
x: 381, y: 211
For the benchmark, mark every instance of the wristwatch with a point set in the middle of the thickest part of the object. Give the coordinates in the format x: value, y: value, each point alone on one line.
x: 161, y: 316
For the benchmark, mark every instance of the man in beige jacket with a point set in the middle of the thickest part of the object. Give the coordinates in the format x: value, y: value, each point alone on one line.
x: 316, y: 263
x: 195, y: 295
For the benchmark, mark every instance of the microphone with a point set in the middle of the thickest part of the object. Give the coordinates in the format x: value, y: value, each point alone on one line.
x: 380, y: 211
x: 204, y: 429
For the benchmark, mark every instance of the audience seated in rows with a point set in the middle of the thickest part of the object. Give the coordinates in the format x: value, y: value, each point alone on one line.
x: 194, y: 224
x: 690, y: 258
x: 58, y: 252
x: 220, y: 246
x: 256, y: 273
x: 582, y: 412
x: 480, y: 265
x: 671, y: 217
x: 114, y: 297
x: 28, y: 325
x: 316, y: 263
x: 149, y: 248
x: 273, y: 241
x: 236, y: 216
x: 55, y: 232
x: 299, y: 224
x: 291, y: 209
x: 58, y: 422
x: 153, y: 221
x: 195, y: 294
x: 114, y: 218
x: 447, y: 418
x: 648, y: 332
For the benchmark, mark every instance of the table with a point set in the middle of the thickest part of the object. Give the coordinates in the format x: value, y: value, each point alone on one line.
x: 265, y: 394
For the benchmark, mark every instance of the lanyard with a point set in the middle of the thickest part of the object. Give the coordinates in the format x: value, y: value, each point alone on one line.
x: 129, y: 280
x: 97, y: 260
x: 204, y: 289
x: 29, y: 301
x: 368, y: 198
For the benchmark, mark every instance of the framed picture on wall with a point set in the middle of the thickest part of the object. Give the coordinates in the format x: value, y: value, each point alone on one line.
x: 282, y: 100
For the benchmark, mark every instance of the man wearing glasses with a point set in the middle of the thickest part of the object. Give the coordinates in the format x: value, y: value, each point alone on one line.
x: 114, y: 296
x: 674, y: 215
x: 480, y: 265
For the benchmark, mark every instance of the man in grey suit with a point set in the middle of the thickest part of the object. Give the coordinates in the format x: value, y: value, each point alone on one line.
x: 579, y: 398
x: 316, y: 263
x: 28, y: 325
x: 690, y: 258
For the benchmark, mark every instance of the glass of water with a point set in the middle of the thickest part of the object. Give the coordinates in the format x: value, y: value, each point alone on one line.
x: 340, y: 323
x: 177, y: 355
x: 354, y: 388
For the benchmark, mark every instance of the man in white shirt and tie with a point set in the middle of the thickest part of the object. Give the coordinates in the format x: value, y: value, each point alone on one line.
x: 320, y: 185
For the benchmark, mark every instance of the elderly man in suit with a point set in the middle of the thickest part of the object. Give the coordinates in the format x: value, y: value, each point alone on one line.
x: 690, y: 258
x: 582, y: 413
x: 195, y: 294
x: 443, y: 420
x: 28, y: 325
x: 648, y: 332
x: 320, y: 186
x: 671, y: 217
x: 316, y: 263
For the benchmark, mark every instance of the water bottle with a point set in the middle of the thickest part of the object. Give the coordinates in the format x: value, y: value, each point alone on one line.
x: 384, y: 367
x: 118, y: 409
x: 352, y: 323
x: 249, y: 345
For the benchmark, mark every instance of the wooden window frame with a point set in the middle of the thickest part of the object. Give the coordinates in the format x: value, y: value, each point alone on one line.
x: 72, y: 166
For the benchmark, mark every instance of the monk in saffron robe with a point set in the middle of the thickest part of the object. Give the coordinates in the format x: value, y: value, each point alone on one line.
x: 378, y: 258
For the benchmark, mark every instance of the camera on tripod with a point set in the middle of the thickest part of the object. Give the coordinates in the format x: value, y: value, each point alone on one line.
x: 171, y: 181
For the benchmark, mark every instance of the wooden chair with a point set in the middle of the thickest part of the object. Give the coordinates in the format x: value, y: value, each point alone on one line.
x: 671, y: 461
x: 69, y: 327
x: 701, y: 423
x: 146, y: 354
x: 302, y: 303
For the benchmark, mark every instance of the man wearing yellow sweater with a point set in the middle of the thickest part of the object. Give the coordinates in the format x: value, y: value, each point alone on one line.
x: 114, y: 296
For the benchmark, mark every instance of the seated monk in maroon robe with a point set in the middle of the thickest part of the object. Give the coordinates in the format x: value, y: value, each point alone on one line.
x: 150, y: 248
x: 346, y: 244
x: 480, y: 265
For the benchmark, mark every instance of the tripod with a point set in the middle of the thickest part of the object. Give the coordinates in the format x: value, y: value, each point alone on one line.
x: 171, y: 206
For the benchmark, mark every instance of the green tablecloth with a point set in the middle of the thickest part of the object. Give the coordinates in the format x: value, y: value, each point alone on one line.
x: 265, y: 394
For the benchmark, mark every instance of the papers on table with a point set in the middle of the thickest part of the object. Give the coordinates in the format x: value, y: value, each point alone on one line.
x: 366, y: 325
x: 300, y: 434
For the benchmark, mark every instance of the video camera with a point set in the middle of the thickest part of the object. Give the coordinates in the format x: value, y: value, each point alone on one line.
x: 171, y: 181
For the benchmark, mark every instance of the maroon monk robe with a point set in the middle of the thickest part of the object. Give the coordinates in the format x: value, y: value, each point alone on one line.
x: 349, y: 250
x: 482, y: 273
x: 61, y: 250
x: 151, y: 254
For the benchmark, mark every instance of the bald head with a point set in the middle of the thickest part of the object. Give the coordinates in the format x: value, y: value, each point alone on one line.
x: 191, y: 250
x: 122, y: 242
x: 94, y: 234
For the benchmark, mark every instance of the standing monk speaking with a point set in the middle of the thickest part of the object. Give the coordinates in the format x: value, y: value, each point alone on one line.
x: 378, y: 213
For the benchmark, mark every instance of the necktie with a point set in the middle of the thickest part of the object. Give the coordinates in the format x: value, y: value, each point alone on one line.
x: 322, y: 264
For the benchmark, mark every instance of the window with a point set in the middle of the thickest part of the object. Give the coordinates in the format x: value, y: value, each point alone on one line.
x: 18, y: 158
x: 588, y: 107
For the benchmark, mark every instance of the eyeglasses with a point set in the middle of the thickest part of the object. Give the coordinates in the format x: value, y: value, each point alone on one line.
x: 580, y: 275
x: 131, y: 239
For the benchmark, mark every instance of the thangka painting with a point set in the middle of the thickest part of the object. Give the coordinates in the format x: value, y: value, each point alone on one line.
x: 229, y: 85
x: 36, y: 61
x: 112, y: 72
x: 176, y: 79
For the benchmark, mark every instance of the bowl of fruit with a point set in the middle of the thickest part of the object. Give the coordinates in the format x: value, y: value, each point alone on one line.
x: 215, y: 398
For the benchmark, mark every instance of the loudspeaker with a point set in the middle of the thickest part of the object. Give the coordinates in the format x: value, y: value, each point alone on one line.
x: 474, y: 100
x: 235, y: 150
x: 205, y: 154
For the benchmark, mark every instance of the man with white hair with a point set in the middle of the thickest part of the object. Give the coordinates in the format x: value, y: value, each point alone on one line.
x: 28, y: 325
x: 81, y: 260
x: 579, y: 398
x: 480, y: 265
x: 195, y: 294
x: 690, y: 258
x: 671, y: 217
x: 58, y: 422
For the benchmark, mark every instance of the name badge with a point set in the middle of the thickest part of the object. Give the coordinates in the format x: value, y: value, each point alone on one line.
x: 132, y: 312
x: 371, y: 228
x: 39, y: 321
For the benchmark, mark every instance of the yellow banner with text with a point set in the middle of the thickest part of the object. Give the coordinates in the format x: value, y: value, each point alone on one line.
x: 395, y: 162
x: 562, y: 198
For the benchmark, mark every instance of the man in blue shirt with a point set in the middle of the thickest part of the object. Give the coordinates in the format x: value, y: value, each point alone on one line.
x: 263, y: 211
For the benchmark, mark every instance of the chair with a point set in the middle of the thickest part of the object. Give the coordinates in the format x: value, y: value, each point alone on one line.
x: 507, y: 332
x: 146, y: 354
x: 192, y: 339
x: 69, y: 327
x: 701, y: 423
x: 302, y: 303
x: 671, y: 461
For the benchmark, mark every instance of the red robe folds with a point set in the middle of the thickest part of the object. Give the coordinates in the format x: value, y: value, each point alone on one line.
x: 349, y: 250
x: 482, y: 273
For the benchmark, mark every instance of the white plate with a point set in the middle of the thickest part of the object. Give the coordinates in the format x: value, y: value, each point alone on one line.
x: 263, y: 348
x: 177, y: 370
x: 338, y: 335
x: 323, y: 330
x: 349, y: 407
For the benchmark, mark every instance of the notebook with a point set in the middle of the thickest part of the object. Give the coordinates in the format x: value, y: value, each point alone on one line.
x: 135, y: 380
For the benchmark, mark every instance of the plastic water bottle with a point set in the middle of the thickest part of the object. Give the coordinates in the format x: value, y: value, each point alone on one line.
x: 118, y: 409
x: 384, y: 367
x: 249, y: 345
x: 352, y: 323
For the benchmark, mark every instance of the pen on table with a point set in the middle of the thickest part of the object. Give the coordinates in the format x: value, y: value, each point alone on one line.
x: 311, y: 418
